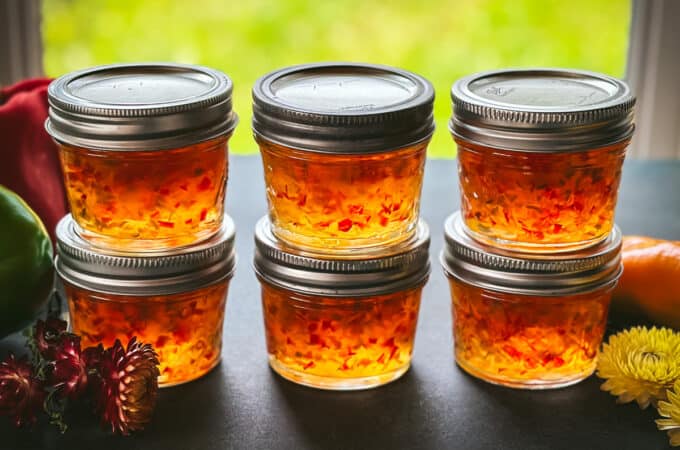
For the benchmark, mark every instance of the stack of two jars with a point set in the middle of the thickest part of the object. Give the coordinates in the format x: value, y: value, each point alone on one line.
x: 342, y: 256
x: 533, y: 255
x: 147, y: 250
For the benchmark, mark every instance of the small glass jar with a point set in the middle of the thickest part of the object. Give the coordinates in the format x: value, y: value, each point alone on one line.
x: 174, y: 300
x: 343, y: 148
x: 525, y: 321
x: 540, y: 155
x: 340, y: 324
x: 143, y: 150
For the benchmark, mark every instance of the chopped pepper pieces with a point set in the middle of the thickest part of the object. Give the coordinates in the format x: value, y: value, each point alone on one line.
x: 186, y: 328
x: 340, y: 338
x: 521, y: 340
x: 539, y: 201
x: 147, y: 199
x: 321, y: 200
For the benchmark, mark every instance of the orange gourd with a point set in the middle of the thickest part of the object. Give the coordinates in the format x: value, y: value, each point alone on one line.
x: 650, y: 283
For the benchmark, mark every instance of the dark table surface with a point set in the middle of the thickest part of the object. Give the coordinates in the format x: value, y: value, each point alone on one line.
x: 243, y: 404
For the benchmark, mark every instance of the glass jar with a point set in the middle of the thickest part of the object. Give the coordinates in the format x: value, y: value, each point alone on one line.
x: 540, y: 155
x: 343, y: 148
x: 174, y: 300
x: 525, y: 321
x: 340, y: 324
x: 143, y: 150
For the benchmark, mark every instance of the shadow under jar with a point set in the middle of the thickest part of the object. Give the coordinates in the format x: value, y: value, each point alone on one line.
x: 143, y: 151
x: 343, y: 148
x: 174, y: 300
x: 528, y: 321
x: 540, y: 155
x: 340, y: 324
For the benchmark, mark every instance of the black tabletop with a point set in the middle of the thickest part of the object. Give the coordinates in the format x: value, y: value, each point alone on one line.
x: 243, y: 404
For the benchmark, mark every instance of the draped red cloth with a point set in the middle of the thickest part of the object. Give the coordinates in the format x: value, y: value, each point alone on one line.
x: 29, y: 163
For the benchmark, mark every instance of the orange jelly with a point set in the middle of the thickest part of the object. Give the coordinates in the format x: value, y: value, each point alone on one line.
x: 540, y: 154
x: 174, y: 300
x: 145, y: 199
x: 340, y: 323
x: 525, y: 321
x: 343, y: 149
x: 340, y: 342
x: 143, y: 151
x: 185, y: 329
x: 343, y: 201
x: 527, y: 341
x: 542, y: 201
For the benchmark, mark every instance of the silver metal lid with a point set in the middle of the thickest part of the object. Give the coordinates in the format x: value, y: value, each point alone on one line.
x: 343, y: 108
x: 405, y: 266
x: 542, y: 110
x: 155, y: 273
x: 529, y: 274
x: 149, y: 106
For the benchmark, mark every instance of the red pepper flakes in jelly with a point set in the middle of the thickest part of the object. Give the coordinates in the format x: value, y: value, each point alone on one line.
x: 308, y: 193
x: 540, y: 201
x: 364, y: 337
x: 188, y: 341
x: 132, y: 212
x: 515, y: 339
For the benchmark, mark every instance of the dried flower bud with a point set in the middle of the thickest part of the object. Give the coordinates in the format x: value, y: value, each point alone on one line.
x: 67, y: 372
x: 21, y: 393
x: 46, y: 335
x: 126, y: 390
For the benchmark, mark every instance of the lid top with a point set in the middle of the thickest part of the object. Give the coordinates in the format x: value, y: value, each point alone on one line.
x: 343, y: 89
x: 143, y: 87
x: 343, y: 108
x: 529, y: 273
x: 543, y: 90
x: 361, y: 274
x: 157, y: 272
x: 134, y: 87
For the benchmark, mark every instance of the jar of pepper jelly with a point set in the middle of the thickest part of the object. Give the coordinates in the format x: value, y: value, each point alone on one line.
x: 343, y: 148
x: 340, y: 324
x: 143, y: 150
x: 525, y: 320
x: 539, y: 156
x: 174, y: 300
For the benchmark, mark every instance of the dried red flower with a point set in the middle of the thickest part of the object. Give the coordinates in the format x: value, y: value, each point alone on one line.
x: 21, y: 392
x: 46, y: 335
x: 127, y: 386
x: 67, y: 372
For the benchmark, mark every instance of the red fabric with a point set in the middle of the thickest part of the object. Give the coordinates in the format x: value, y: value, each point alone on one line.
x: 29, y: 163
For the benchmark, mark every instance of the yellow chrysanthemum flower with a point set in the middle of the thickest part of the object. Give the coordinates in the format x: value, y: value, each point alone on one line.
x: 670, y: 410
x: 640, y: 364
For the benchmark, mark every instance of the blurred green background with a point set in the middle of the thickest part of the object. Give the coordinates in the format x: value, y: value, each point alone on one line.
x: 439, y: 39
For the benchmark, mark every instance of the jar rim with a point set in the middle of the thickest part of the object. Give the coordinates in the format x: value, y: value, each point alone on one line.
x: 542, y: 110
x: 343, y: 108
x: 515, y: 272
x: 159, y: 272
x: 403, y: 266
x: 148, y: 106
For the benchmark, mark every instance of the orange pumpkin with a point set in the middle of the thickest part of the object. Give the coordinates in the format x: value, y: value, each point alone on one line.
x: 650, y: 283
